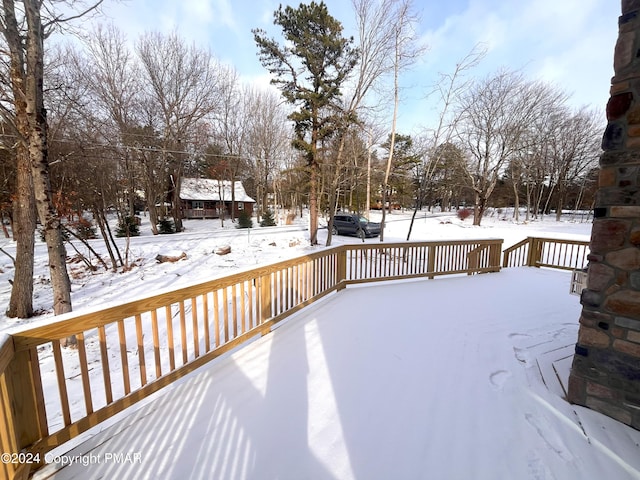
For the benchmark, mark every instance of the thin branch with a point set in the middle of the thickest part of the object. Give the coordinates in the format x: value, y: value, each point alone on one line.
x: 59, y: 19
x: 8, y: 255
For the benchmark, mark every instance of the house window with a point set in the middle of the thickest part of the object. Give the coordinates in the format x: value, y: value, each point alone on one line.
x: 197, y: 205
x: 240, y: 205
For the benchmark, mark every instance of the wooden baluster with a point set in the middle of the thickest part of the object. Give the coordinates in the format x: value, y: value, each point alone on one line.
x: 106, y: 371
x: 183, y: 333
x: 141, y: 361
x: 124, y: 359
x: 84, y: 372
x: 169, y: 319
x: 195, y: 332
x: 205, y: 321
x: 62, y: 383
x: 156, y: 343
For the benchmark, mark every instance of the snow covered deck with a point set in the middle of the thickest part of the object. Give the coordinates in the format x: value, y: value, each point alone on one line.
x: 451, y: 378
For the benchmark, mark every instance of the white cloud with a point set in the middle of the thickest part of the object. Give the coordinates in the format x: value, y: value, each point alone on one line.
x: 199, y: 10
x: 216, y: 12
x: 260, y: 81
x: 569, y: 42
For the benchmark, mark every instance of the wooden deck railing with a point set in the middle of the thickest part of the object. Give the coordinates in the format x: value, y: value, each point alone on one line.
x: 201, y: 213
x: 50, y: 394
x: 547, y: 252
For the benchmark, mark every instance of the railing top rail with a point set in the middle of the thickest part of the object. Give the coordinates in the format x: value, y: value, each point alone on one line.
x: 361, y: 246
x: 521, y: 243
x: 527, y: 240
x: 562, y: 240
x: 566, y: 253
x: 62, y: 326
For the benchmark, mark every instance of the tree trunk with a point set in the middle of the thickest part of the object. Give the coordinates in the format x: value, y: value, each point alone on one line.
x: 313, y: 203
x: 101, y: 221
x: 528, y: 202
x: 27, y: 72
x: 413, y: 218
x: 334, y: 189
x: 38, y: 150
x: 368, y: 199
x: 21, y: 301
x: 219, y: 206
x: 176, y: 210
x: 233, y: 197
x: 396, y: 100
x: 546, y: 208
x: 50, y: 222
x: 479, y: 208
x: 561, y: 198
x: 516, y: 203
x: 446, y: 202
x: 265, y: 191
x: 153, y: 215
x: 4, y: 226
x: 314, y: 170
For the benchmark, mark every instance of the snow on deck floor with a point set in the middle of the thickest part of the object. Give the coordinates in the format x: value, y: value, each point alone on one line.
x: 453, y: 378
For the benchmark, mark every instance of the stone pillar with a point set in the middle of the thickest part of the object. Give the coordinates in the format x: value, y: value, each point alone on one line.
x: 605, y: 375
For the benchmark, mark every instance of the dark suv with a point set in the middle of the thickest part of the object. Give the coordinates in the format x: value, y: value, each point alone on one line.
x: 354, y: 224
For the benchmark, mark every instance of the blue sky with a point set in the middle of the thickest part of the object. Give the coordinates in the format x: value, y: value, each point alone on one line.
x: 566, y: 42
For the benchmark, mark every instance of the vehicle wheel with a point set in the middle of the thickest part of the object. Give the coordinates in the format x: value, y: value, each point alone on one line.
x: 360, y: 234
x: 334, y: 231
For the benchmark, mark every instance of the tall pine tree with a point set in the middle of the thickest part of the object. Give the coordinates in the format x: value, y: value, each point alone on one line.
x: 309, y: 69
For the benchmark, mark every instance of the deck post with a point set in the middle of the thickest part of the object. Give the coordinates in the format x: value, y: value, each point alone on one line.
x: 473, y: 258
x: 341, y: 273
x: 495, y: 251
x: 24, y: 391
x: 535, y: 250
x: 431, y: 260
x: 265, y: 297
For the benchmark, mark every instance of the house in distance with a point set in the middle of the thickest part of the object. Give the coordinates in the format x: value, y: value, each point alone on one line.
x: 210, y: 198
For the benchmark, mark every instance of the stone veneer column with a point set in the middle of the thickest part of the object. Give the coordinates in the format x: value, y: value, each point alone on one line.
x: 606, y: 367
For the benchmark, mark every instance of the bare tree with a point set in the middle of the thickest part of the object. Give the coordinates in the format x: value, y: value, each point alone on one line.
x: 101, y: 88
x: 449, y: 88
x: 516, y: 174
x: 406, y: 50
x: 375, y: 42
x: 24, y: 31
x: 183, y: 83
x: 113, y: 80
x: 496, y: 113
x: 268, y: 140
x: 231, y: 129
x: 562, y: 147
x: 574, y: 151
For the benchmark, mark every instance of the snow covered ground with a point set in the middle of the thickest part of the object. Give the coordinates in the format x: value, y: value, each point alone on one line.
x: 452, y: 378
